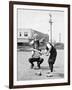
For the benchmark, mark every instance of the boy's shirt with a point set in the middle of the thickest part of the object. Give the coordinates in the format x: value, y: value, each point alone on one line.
x: 36, y: 53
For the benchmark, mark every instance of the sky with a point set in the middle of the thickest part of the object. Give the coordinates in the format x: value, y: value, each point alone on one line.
x: 39, y: 20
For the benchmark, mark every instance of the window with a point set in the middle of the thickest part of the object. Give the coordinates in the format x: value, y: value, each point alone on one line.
x: 25, y: 34
x: 20, y: 34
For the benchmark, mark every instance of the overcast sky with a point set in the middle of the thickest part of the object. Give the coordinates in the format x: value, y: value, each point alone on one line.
x: 39, y: 20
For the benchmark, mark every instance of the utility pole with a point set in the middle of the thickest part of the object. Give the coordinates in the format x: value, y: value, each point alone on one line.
x: 59, y: 37
x: 50, y: 21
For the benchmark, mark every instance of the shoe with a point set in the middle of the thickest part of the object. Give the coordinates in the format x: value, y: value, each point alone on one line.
x: 50, y: 74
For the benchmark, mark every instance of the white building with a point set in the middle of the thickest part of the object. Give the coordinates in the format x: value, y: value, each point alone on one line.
x: 23, y: 35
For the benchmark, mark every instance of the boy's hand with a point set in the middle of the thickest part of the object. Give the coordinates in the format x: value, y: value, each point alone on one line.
x: 48, y: 54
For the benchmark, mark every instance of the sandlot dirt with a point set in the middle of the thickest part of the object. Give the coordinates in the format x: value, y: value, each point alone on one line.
x: 24, y: 72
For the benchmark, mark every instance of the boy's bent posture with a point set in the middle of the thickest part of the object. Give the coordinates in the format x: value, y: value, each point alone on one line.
x: 52, y: 57
x: 36, y: 53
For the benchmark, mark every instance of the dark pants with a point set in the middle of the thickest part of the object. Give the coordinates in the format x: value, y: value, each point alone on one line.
x: 38, y: 60
x: 51, y: 60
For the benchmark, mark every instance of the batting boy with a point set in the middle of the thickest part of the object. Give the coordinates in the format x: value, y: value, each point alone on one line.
x: 51, y: 51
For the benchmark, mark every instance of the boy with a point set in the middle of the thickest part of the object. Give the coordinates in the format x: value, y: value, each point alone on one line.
x: 51, y: 51
x: 36, y: 53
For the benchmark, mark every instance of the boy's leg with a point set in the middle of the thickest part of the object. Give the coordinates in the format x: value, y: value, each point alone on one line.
x: 31, y: 60
x: 51, y: 66
x: 38, y: 64
x: 40, y: 60
x: 51, y: 61
x: 50, y: 74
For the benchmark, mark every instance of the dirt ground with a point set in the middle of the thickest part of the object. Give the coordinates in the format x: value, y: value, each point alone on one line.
x: 24, y: 72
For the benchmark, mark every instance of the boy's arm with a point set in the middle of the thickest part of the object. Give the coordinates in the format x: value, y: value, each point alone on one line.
x: 47, y: 52
x: 37, y: 51
x: 32, y: 53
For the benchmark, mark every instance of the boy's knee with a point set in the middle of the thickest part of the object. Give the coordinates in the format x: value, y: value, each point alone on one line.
x: 41, y: 60
x: 30, y: 59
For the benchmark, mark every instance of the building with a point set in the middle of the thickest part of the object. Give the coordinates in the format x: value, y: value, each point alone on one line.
x: 26, y: 34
